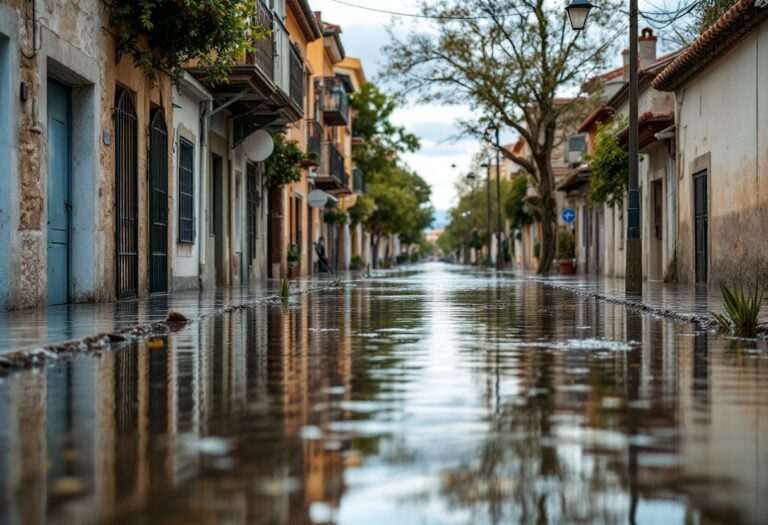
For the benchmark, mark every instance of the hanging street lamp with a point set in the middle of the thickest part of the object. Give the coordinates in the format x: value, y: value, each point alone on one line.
x: 578, y: 12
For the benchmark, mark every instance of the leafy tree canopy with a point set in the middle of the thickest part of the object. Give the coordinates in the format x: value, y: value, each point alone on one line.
x: 519, y: 211
x: 166, y: 35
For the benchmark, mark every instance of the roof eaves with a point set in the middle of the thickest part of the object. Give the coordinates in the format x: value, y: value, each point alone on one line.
x: 723, y: 35
x: 307, y: 19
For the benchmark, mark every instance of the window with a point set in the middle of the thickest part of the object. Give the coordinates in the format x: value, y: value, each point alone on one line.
x: 186, y: 192
x: 577, y: 147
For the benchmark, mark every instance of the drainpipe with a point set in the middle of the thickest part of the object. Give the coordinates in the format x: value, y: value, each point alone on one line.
x: 206, y: 108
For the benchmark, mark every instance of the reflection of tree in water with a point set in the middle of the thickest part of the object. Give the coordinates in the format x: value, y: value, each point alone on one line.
x: 521, y: 472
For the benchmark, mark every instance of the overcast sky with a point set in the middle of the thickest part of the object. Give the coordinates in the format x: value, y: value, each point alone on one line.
x: 364, y: 33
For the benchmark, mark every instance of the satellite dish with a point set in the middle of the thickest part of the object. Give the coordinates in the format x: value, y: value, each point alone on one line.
x: 258, y: 146
x: 317, y: 199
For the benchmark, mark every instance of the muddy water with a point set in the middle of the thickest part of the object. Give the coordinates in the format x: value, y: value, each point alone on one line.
x: 427, y: 397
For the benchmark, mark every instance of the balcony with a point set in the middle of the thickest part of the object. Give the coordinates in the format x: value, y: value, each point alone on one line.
x: 265, y: 89
x: 332, y: 174
x: 315, y: 140
x: 358, y: 181
x: 333, y: 101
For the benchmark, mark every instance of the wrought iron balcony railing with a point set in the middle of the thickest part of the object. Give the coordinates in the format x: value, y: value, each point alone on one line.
x: 358, y: 181
x: 333, y: 164
x: 263, y: 55
x: 315, y: 140
x: 297, y: 78
x: 333, y: 101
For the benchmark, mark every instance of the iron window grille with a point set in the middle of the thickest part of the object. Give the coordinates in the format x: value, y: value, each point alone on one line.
x: 186, y: 192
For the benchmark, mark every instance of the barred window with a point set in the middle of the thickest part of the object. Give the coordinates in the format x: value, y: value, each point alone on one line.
x: 186, y: 192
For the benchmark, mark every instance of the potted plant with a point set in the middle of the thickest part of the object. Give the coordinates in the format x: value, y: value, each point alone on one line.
x: 566, y: 253
x: 357, y: 263
x: 294, y: 262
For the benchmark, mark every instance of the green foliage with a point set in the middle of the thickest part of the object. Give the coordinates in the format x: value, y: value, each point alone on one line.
x: 363, y: 208
x: 536, y: 249
x: 166, y: 35
x: 742, y: 310
x: 566, y: 247
x: 335, y: 216
x: 285, y: 289
x: 707, y: 12
x: 519, y: 211
x: 358, y: 260
x: 610, y: 166
x: 401, y: 205
x: 294, y: 256
x: 382, y: 140
x: 284, y: 165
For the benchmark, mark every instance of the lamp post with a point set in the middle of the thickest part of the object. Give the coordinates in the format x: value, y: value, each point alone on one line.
x: 578, y: 12
x: 487, y: 166
x: 471, y: 178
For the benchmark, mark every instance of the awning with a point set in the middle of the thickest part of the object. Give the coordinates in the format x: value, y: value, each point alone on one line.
x: 576, y: 179
x: 649, y: 125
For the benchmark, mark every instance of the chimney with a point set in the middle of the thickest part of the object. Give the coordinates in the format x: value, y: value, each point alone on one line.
x: 646, y: 48
x: 625, y: 71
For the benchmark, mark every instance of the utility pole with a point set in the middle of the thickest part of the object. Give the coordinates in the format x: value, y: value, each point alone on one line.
x: 499, y: 255
x: 634, y: 269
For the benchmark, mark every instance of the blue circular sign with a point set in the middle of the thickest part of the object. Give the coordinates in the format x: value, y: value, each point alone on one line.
x: 568, y: 215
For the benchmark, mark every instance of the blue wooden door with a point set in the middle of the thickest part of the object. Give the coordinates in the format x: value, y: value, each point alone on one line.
x: 58, y: 193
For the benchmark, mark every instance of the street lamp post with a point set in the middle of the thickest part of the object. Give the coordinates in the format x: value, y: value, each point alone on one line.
x: 497, y: 146
x: 578, y: 11
x: 471, y: 177
x: 487, y: 166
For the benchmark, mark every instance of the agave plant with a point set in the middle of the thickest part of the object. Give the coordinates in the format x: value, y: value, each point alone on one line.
x: 742, y: 310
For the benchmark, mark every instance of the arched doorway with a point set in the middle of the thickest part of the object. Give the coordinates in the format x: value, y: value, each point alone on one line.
x: 126, y: 196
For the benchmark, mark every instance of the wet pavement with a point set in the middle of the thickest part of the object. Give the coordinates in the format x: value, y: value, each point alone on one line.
x: 429, y: 396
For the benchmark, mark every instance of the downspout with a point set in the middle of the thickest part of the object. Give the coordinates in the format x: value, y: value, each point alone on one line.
x: 206, y: 108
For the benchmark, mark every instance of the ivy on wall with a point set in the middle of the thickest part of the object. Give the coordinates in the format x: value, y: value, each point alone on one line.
x: 167, y: 35
x: 610, y: 166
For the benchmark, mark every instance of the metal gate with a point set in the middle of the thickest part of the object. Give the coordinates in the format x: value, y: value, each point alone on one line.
x: 126, y: 196
x: 158, y: 203
x: 252, y: 204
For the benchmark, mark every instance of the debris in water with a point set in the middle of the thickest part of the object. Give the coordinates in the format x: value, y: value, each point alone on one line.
x: 175, y: 317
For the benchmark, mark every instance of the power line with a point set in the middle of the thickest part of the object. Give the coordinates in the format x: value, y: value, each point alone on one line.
x: 432, y: 17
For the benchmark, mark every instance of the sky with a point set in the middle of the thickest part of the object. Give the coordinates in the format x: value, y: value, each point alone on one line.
x: 364, y: 33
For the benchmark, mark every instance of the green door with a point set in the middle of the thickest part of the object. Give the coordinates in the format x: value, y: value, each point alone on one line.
x: 59, y: 208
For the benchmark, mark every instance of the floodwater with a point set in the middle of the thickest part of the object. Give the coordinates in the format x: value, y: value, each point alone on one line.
x: 425, y: 397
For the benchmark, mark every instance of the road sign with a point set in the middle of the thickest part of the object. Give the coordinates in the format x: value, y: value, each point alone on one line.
x: 568, y: 215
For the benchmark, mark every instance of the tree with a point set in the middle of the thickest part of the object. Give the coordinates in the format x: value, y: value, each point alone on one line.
x: 707, y: 12
x: 382, y: 140
x: 166, y: 35
x: 510, y: 61
x: 610, y: 166
x: 519, y: 211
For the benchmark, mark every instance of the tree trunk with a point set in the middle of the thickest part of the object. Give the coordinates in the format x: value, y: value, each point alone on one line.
x: 548, y: 215
x: 375, y: 254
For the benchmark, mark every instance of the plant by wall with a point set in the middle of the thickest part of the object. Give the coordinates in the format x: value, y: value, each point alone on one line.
x: 742, y: 310
x: 610, y: 166
x: 284, y: 165
x: 566, y: 247
x: 166, y: 35
x: 334, y: 216
x: 521, y: 212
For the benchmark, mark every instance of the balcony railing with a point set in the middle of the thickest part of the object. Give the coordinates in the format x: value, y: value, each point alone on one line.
x: 333, y: 101
x: 263, y: 56
x: 297, y: 77
x: 315, y: 139
x: 358, y: 181
x: 282, y: 56
x: 333, y: 164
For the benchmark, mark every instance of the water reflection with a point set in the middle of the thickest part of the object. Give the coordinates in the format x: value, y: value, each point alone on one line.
x: 424, y: 397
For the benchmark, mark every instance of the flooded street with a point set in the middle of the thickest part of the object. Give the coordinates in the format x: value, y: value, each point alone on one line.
x: 423, y: 397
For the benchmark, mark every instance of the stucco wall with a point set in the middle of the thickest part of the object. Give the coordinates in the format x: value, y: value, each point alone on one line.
x: 186, y: 257
x: 723, y: 127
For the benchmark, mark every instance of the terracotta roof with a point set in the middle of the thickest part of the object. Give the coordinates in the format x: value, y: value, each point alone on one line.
x: 601, y: 114
x: 724, y: 34
x: 648, y: 125
x: 576, y: 179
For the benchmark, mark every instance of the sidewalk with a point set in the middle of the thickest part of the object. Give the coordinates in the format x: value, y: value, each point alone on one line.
x: 685, y: 303
x: 26, y: 331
